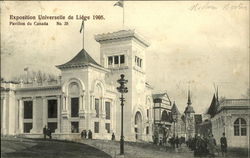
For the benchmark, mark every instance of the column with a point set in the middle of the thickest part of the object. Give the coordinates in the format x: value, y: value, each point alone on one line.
x: 34, y: 118
x: 21, y: 112
x: 45, y: 112
x: 4, y: 121
x: 58, y: 130
x: 83, y: 103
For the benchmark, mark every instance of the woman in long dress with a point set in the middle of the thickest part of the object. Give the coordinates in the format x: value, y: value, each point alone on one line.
x: 211, y: 146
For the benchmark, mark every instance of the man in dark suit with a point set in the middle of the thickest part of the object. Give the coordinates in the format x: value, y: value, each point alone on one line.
x: 223, y: 143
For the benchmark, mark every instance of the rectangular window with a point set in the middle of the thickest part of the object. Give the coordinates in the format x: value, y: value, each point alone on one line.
x: 147, y: 113
x: 97, y: 107
x: 52, y: 126
x: 28, y: 109
x: 74, y: 107
x: 140, y: 63
x: 27, y: 127
x: 52, y: 108
x: 110, y: 60
x: 147, y: 130
x: 116, y: 59
x: 236, y: 131
x: 74, y: 127
x: 96, y: 127
x: 122, y: 59
x: 107, y: 109
x: 243, y: 131
x: 107, y: 127
x: 137, y: 62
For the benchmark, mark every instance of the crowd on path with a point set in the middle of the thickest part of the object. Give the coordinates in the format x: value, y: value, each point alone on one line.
x: 201, y: 146
x: 86, y: 134
x: 206, y: 146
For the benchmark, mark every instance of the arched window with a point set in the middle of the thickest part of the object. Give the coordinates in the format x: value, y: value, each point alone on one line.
x: 240, y: 127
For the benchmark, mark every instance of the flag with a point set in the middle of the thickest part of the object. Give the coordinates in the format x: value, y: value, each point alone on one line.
x: 82, y: 26
x: 26, y: 69
x: 119, y: 3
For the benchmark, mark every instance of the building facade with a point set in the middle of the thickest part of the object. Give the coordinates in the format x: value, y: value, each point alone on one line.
x: 232, y: 118
x: 85, y: 96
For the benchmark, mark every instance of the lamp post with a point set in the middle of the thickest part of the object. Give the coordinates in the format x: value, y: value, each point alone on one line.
x: 122, y: 89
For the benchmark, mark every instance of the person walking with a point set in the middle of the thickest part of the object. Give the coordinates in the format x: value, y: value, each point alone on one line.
x: 177, y: 142
x: 211, y: 146
x: 113, y: 136
x: 90, y: 134
x: 49, y: 133
x: 223, y: 143
x: 44, y: 132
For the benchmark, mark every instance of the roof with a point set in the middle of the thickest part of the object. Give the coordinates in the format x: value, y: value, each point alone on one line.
x: 122, y: 34
x: 175, y: 109
x: 213, y: 107
x: 234, y: 103
x: 81, y: 59
x: 158, y: 95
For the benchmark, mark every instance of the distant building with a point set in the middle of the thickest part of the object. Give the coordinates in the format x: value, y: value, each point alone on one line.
x: 162, y: 115
x: 232, y: 117
x: 189, y: 118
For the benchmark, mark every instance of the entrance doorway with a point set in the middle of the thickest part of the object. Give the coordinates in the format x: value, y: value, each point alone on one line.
x: 138, y: 126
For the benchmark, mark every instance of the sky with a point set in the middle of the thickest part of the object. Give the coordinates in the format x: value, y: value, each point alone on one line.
x: 195, y: 43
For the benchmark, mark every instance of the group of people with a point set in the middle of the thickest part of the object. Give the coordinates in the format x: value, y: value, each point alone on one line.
x: 176, y: 142
x: 47, y: 132
x: 206, y: 146
x: 86, y: 134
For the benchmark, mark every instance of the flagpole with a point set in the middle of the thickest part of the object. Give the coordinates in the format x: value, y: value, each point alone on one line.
x: 123, y: 14
x: 83, y: 35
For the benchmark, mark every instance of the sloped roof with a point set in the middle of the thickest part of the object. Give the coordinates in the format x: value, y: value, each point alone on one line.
x: 158, y: 95
x: 81, y: 59
x: 175, y: 110
x: 213, y: 107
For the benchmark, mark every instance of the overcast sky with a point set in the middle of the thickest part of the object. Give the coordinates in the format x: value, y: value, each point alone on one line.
x: 200, y: 43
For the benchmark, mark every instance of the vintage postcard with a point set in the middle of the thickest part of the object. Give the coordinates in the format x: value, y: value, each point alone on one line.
x: 124, y: 78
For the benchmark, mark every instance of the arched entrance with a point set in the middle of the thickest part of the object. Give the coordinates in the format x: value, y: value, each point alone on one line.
x: 138, y: 126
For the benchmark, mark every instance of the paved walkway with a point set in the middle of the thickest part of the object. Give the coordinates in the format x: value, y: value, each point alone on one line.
x: 138, y: 150
x: 39, y: 148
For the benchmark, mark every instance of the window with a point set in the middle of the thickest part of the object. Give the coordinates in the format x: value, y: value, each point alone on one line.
x: 147, y: 130
x: 74, y: 127
x: 28, y: 109
x: 107, y: 109
x: 116, y: 59
x: 52, y: 126
x: 96, y: 127
x: 240, y: 127
x: 110, y: 60
x: 27, y: 127
x: 74, y: 107
x: 97, y: 107
x: 138, y: 61
x: 107, y: 127
x: 52, y: 108
x: 122, y: 59
x: 147, y: 113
